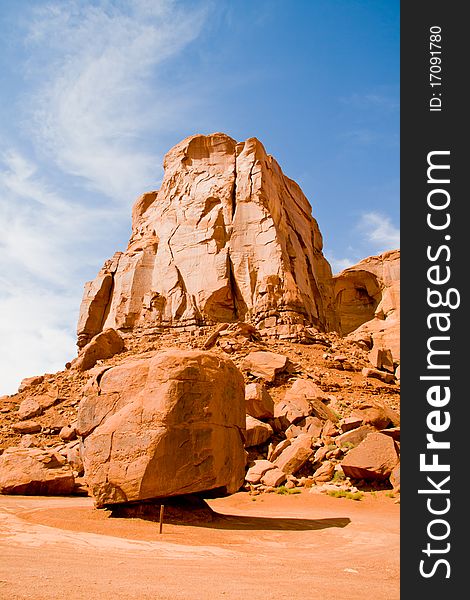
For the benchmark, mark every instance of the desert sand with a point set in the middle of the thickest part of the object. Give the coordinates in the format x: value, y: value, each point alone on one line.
x: 270, y: 546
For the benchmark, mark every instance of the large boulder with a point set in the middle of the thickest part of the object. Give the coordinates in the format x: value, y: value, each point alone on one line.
x: 374, y: 458
x: 36, y: 472
x: 165, y: 425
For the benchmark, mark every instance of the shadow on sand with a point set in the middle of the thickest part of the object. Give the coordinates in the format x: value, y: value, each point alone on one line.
x: 271, y: 523
x: 195, y: 512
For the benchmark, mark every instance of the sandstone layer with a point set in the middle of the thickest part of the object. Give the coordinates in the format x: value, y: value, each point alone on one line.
x: 228, y: 237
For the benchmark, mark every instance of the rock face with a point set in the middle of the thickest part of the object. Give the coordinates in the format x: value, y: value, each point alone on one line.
x: 367, y: 299
x: 228, y: 237
x: 164, y: 425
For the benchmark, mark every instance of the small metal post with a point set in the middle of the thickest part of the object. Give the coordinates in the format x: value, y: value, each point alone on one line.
x: 161, y: 517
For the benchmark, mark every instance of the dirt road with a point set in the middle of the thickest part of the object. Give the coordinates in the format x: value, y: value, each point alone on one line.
x: 304, y: 546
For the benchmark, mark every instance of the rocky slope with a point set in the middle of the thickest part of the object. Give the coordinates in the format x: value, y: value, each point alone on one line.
x: 220, y: 327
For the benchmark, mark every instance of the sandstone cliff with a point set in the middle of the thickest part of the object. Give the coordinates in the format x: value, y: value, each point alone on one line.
x: 228, y: 237
x: 368, y: 301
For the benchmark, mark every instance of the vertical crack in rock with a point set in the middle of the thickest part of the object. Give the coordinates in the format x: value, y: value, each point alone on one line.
x: 169, y: 241
x: 234, y: 188
x: 239, y: 306
x: 108, y: 304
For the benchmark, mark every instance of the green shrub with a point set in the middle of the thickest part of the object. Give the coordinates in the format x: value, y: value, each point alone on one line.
x: 283, y: 490
x: 344, y: 494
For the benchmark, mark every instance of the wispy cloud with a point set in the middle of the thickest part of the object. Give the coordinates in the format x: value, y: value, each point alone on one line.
x: 339, y: 264
x: 373, y: 101
x: 374, y: 232
x: 96, y: 100
x: 380, y: 231
x: 67, y: 180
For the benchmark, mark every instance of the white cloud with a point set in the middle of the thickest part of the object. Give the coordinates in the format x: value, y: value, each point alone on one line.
x: 374, y: 228
x: 35, y: 333
x: 95, y: 93
x: 339, y: 264
x: 380, y: 231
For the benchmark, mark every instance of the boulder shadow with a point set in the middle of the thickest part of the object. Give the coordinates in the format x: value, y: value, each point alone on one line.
x: 195, y: 512
x: 245, y: 523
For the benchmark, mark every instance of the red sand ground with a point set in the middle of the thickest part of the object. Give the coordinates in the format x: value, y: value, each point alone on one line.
x: 303, y: 546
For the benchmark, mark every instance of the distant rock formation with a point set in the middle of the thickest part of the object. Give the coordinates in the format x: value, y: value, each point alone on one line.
x: 368, y: 301
x: 228, y: 237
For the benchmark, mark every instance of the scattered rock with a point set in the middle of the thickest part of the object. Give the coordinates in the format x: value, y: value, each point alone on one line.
x: 372, y: 413
x: 295, y: 456
x: 29, y: 441
x: 34, y: 471
x: 29, y: 408
x: 325, y: 472
x: 26, y: 427
x: 310, y: 425
x: 259, y: 403
x: 274, y: 477
x: 350, y: 423
x: 68, y: 433
x: 257, y: 432
x: 381, y: 358
x: 257, y: 470
x: 354, y: 436
x: 104, y: 345
x: 329, y: 429
x: 393, y: 432
x: 307, y: 390
x: 45, y: 401
x: 320, y: 454
x: 376, y: 374
x: 265, y: 365
x: 289, y: 412
x: 275, y: 451
x: 30, y: 382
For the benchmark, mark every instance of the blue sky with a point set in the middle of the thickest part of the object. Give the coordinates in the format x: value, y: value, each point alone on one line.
x: 95, y: 92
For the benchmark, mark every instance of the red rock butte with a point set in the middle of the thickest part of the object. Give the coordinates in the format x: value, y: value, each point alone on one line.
x: 228, y: 237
